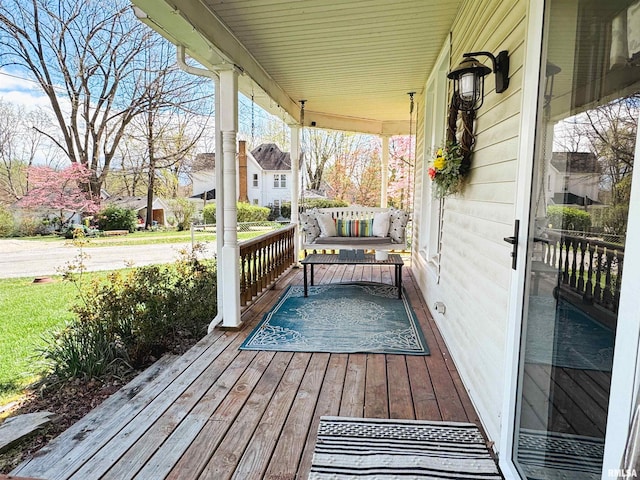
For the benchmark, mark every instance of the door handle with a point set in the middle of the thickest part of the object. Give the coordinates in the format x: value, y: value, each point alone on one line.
x: 514, y: 241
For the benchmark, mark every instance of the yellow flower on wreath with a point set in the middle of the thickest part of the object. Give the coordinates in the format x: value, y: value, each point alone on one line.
x: 439, y: 162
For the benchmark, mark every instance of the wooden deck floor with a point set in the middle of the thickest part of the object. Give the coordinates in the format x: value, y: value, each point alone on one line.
x: 565, y: 400
x: 218, y: 412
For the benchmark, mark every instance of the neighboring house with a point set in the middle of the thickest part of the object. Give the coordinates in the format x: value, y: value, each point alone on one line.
x: 161, y: 209
x: 203, y: 176
x: 355, y: 63
x: 267, y: 178
x: 573, y: 178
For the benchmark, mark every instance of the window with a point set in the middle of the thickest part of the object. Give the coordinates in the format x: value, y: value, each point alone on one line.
x: 255, y: 179
x: 279, y: 181
x: 434, y: 134
x: 255, y: 201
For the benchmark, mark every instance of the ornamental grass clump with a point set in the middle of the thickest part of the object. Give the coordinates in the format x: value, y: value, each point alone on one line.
x: 446, y: 170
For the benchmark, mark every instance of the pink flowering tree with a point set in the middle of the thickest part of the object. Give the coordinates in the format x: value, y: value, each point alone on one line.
x: 60, y: 190
x: 401, y: 172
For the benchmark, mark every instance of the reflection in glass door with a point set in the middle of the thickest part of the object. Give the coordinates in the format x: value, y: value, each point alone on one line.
x: 585, y: 145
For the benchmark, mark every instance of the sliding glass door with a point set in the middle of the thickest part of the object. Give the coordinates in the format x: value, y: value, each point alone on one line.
x: 588, y: 111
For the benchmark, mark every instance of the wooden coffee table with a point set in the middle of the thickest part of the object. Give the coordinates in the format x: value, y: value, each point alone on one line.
x: 368, y: 259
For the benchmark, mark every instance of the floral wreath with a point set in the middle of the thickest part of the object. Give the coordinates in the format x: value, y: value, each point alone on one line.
x: 452, y: 161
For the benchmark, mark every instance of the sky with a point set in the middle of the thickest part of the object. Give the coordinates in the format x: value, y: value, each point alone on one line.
x: 19, y: 91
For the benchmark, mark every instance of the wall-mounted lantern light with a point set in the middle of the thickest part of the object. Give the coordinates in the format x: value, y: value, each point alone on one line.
x: 468, y: 78
x: 551, y: 72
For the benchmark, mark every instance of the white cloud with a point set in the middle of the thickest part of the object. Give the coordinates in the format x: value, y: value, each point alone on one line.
x: 19, y: 91
x: 26, y: 99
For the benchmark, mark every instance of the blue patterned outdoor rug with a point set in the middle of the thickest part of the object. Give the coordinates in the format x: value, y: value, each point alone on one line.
x: 367, y: 448
x: 560, y: 334
x: 340, y: 318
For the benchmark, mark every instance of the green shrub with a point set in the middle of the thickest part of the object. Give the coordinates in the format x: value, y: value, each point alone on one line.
x: 6, y: 222
x: 209, y: 213
x: 568, y: 218
x: 252, y: 213
x: 246, y: 213
x: 29, y: 227
x: 285, y: 208
x: 615, y: 219
x: 132, y: 317
x: 183, y: 210
x: 117, y: 218
x: 322, y: 203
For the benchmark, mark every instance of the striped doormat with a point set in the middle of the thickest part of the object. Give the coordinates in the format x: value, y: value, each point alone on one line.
x: 367, y: 448
x: 544, y: 454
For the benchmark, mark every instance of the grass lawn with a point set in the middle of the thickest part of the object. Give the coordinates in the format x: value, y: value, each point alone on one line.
x: 28, y: 310
x: 150, y: 238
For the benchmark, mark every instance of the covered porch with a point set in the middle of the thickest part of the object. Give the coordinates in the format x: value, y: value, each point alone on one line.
x: 220, y: 412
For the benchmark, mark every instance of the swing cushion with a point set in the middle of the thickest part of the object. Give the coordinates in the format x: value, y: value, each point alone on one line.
x: 354, y: 228
x: 327, y: 225
x: 398, y: 223
x: 309, y: 226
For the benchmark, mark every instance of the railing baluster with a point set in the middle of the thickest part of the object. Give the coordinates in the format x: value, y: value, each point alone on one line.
x: 582, y: 244
x: 607, y: 294
x: 254, y: 270
x: 591, y: 268
x: 597, y: 289
x: 553, y: 245
x: 588, y: 293
x: 564, y: 247
x: 243, y: 279
x: 571, y: 250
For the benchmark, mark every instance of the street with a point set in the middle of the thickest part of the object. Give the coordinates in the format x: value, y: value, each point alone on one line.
x: 31, y: 258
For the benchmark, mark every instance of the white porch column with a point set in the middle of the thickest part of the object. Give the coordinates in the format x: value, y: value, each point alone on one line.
x: 384, y: 167
x: 230, y: 249
x: 295, y: 185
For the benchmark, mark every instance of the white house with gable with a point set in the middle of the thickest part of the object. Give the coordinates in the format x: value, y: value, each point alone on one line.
x: 267, y: 176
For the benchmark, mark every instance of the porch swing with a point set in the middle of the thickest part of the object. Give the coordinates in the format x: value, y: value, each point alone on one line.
x: 356, y: 228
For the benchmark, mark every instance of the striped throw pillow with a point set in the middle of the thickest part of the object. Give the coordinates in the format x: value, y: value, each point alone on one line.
x: 354, y: 228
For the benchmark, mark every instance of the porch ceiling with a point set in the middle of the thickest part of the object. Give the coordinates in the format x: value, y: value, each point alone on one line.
x: 353, y: 61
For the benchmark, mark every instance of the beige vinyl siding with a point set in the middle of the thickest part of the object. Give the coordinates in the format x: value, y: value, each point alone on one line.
x: 475, y: 266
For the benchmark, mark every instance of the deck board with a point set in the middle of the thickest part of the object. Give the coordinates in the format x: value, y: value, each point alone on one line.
x: 399, y: 388
x: 218, y: 412
x: 352, y: 404
x: 376, y: 397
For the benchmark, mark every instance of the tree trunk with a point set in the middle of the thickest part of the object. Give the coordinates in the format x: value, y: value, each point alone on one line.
x: 152, y: 170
